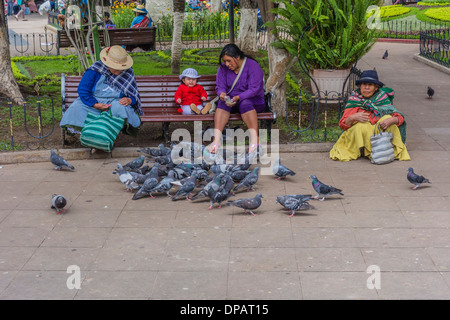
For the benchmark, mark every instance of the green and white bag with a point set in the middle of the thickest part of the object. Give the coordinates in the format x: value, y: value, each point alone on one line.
x: 100, y: 131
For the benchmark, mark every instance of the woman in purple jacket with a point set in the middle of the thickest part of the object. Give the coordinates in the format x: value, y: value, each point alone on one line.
x: 246, y: 97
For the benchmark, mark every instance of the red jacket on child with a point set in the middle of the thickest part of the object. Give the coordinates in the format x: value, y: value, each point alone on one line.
x: 190, y: 95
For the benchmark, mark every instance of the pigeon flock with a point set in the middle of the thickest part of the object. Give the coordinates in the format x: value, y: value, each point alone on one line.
x: 216, y: 181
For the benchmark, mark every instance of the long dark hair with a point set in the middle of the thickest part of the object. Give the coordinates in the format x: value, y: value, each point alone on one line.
x: 233, y: 51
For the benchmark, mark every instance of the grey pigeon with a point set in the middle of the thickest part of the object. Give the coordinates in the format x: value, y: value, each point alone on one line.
x: 146, y: 188
x: 248, y: 181
x: 127, y: 177
x: 224, y: 191
x: 248, y: 204
x: 238, y: 175
x: 281, y: 171
x: 186, y: 188
x: 430, y: 92
x: 165, y: 184
x: 59, y: 161
x: 385, y: 55
x: 58, y: 203
x: 135, y: 163
x: 294, y: 202
x: 210, y: 189
x: 416, y: 179
x: 323, y: 189
x: 161, y: 150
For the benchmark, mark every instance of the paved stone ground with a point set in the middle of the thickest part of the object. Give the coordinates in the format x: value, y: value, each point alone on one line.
x: 159, y: 249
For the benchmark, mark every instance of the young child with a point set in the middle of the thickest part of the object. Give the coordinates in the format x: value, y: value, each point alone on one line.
x: 191, y: 95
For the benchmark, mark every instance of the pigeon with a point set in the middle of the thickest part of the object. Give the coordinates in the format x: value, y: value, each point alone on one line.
x: 416, y: 179
x: 281, y: 171
x: 135, y: 163
x: 186, y: 188
x: 155, y: 152
x: 210, y: 189
x: 238, y: 175
x: 385, y: 55
x: 59, y: 161
x: 294, y: 202
x: 430, y: 92
x: 248, y: 181
x: 164, y: 185
x: 146, y: 188
x: 323, y: 189
x: 126, y: 177
x: 248, y: 204
x: 58, y: 203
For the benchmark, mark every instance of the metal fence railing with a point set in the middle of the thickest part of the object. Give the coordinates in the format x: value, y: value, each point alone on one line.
x: 435, y: 45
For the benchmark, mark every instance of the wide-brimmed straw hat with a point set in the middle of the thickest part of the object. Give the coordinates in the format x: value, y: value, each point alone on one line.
x: 369, y: 76
x: 190, y: 73
x: 116, y: 57
x: 140, y: 8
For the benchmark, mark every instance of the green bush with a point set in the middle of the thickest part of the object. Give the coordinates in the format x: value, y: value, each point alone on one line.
x: 442, y: 14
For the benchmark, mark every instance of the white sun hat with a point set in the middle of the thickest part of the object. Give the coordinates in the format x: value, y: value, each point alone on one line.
x: 190, y: 73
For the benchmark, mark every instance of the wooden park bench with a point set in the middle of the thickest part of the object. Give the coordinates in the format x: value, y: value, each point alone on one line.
x: 141, y: 37
x: 158, y: 102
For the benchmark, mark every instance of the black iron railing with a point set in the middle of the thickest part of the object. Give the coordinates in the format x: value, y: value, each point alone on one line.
x: 435, y: 45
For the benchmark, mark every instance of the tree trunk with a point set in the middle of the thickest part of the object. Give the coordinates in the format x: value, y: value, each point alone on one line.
x: 279, y: 63
x: 8, y: 84
x: 216, y: 6
x: 178, y: 17
x: 247, y: 40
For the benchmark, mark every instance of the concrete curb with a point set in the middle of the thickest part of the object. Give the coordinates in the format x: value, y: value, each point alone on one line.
x: 83, y: 153
x: 430, y: 63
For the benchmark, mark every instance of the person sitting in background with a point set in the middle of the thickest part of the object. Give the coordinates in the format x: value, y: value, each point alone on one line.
x: 109, y: 84
x: 142, y: 19
x: 108, y: 21
x: 369, y: 105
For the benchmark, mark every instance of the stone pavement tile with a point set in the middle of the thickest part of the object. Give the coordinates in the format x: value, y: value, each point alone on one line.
x: 203, y: 218
x: 190, y: 285
x: 147, y: 219
x: 446, y: 276
x: 377, y: 219
x: 413, y: 286
x: 334, y: 202
x: 320, y: 218
x: 270, y: 286
x: 204, y: 237
x: 401, y: 237
x: 13, y: 258
x: 34, y: 201
x: 413, y: 203
x: 275, y: 217
x: 440, y: 257
x: 94, y: 202
x: 22, y: 236
x: 261, y: 237
x: 140, y: 257
x: 399, y: 259
x: 76, y: 237
x: 4, y: 213
x: 330, y: 259
x: 324, y: 237
x: 17, y: 188
x: 39, y: 285
x: 26, y: 172
x: 195, y: 259
x: 5, y: 279
x: 102, y: 218
x: 262, y: 259
x: 368, y: 203
x: 70, y: 189
x: 336, y: 285
x: 117, y: 285
x: 427, y: 219
x: 59, y: 259
x: 30, y: 218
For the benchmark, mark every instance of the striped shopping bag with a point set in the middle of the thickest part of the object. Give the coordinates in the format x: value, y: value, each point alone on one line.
x: 101, y: 130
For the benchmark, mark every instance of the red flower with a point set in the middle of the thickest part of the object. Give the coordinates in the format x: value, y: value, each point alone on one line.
x: 180, y: 110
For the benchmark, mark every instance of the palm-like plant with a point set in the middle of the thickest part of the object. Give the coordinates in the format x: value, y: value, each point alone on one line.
x: 326, y: 34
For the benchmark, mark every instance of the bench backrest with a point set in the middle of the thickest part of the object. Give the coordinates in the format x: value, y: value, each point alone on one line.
x: 157, y: 92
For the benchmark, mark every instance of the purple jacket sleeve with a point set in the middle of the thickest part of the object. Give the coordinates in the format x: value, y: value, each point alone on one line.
x: 221, y: 80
